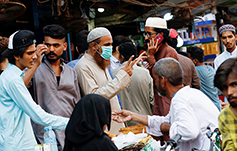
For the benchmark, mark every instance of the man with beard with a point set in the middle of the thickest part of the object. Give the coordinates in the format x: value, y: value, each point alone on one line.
x: 54, y: 84
x: 191, y: 111
x: 228, y: 37
x: 155, y: 52
x: 226, y: 81
x: 93, y: 75
x: 153, y: 26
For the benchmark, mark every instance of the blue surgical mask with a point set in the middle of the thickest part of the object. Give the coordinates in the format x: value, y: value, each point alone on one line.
x: 106, y: 52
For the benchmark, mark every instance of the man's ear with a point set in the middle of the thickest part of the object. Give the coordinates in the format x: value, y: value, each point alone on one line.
x: 236, y: 37
x: 65, y: 46
x: 117, y: 48
x: 94, y: 46
x: 77, y: 49
x: 163, y: 81
x: 17, y: 57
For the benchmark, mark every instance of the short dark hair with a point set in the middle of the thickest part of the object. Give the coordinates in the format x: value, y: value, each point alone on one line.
x: 119, y: 39
x: 173, y: 43
x: 81, y: 41
x: 223, y: 71
x: 55, y: 31
x: 166, y: 36
x: 170, y: 69
x: 196, y: 53
x: 17, y: 52
x: 127, y: 49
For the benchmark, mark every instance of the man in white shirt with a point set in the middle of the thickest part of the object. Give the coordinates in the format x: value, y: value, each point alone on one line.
x: 191, y: 111
x: 228, y: 38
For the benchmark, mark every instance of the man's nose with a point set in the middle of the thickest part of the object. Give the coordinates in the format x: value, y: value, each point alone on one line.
x: 51, y: 48
x: 230, y: 91
x: 227, y: 39
x: 146, y: 37
x: 34, y: 56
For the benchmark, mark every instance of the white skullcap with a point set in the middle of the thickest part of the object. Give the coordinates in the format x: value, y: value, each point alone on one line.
x: 97, y: 33
x: 156, y: 22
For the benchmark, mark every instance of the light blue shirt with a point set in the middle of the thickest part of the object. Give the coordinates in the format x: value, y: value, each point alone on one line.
x: 74, y: 62
x: 17, y: 108
x: 114, y: 63
x: 206, y: 75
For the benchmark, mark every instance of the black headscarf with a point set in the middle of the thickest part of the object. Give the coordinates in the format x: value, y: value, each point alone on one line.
x: 86, y: 123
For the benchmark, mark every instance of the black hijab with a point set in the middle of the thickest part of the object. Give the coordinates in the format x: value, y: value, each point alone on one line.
x: 85, y: 126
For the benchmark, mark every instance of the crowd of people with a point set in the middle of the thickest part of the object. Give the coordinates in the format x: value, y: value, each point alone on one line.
x: 114, y: 84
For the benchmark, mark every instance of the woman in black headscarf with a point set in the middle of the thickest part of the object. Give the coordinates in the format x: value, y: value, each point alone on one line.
x: 85, y: 129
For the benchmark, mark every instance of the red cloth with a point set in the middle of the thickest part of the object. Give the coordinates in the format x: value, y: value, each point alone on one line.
x: 173, y: 33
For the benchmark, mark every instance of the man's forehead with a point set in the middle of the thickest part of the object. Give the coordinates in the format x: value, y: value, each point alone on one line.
x: 149, y: 29
x: 106, y: 39
x: 227, y: 33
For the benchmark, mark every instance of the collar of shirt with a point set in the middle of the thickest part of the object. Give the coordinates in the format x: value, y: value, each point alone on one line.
x: 17, y: 70
x: 112, y: 58
x: 232, y: 53
x: 44, y: 59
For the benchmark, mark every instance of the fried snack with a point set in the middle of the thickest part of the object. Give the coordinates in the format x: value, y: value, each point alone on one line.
x: 110, y: 135
x: 135, y: 129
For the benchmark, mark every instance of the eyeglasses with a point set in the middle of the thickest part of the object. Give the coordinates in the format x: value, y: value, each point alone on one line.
x: 148, y: 34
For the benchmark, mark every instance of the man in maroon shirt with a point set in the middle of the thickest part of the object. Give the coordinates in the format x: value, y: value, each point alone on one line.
x: 153, y: 26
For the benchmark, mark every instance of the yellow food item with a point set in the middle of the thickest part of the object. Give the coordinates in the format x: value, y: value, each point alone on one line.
x: 135, y: 129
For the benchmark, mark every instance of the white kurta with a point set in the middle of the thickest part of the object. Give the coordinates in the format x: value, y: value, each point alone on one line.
x: 93, y: 79
x: 191, y: 112
x: 224, y: 56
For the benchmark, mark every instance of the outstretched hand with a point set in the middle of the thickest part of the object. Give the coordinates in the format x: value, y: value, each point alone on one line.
x: 122, y: 116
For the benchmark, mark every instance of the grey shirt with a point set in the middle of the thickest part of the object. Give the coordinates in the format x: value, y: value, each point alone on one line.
x: 53, y: 98
x: 139, y: 94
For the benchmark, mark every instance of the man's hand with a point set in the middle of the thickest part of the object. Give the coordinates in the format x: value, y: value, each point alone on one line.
x: 125, y: 116
x: 129, y: 66
x: 165, y: 128
x: 224, y: 105
x: 122, y: 116
x: 40, y: 49
x: 152, y: 47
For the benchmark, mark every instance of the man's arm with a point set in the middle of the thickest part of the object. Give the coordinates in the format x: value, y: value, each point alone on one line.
x: 184, y: 121
x: 21, y: 96
x: 195, y: 78
x: 41, y: 48
x: 156, y: 125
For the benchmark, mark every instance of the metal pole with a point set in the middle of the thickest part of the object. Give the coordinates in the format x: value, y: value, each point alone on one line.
x: 69, y: 47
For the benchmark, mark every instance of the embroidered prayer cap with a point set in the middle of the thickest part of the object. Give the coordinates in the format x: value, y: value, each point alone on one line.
x: 227, y: 27
x: 19, y: 39
x: 97, y: 33
x: 156, y: 22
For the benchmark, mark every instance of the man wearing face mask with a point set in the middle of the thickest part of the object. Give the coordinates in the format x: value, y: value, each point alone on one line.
x: 93, y: 75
